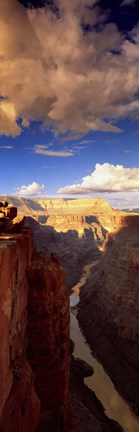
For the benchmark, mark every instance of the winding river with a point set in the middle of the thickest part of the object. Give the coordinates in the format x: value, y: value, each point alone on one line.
x: 115, y: 406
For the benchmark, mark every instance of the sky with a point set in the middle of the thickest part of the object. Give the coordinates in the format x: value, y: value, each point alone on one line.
x: 69, y: 99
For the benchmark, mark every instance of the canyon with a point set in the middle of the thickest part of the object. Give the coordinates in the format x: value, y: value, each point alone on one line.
x: 109, y: 308
x: 74, y: 229
x: 35, y: 321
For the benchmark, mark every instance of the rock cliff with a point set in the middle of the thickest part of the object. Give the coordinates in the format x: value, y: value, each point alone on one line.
x: 48, y: 340
x: 73, y: 228
x: 34, y: 335
x: 109, y: 308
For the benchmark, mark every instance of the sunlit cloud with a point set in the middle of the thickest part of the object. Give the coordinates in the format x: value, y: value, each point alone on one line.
x: 25, y: 122
x: 106, y: 178
x: 42, y: 150
x: 8, y: 124
x: 33, y: 189
x: 75, y: 83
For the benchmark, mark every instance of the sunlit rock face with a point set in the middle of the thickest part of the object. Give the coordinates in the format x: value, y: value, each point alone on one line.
x: 109, y: 308
x: 73, y: 228
x: 34, y: 334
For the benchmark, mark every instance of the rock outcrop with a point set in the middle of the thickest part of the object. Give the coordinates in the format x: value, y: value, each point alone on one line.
x: 109, y: 308
x: 34, y: 335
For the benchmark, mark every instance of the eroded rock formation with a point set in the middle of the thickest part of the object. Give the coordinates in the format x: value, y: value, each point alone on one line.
x: 109, y: 308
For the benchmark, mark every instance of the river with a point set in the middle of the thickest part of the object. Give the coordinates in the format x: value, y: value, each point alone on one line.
x: 115, y: 406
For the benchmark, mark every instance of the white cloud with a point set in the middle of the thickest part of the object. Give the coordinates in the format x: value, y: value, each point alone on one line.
x: 106, y: 178
x: 86, y: 141
x: 42, y: 149
x: 30, y: 190
x: 52, y: 71
x: 7, y: 147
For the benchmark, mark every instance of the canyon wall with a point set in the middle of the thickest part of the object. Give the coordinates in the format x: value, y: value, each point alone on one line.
x: 74, y: 249
x: 48, y: 340
x: 34, y: 336
x: 109, y: 308
x: 73, y: 228
x: 19, y: 404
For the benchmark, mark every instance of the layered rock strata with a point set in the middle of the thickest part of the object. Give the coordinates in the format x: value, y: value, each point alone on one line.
x: 109, y: 308
x: 34, y: 336
x: 48, y: 340
x: 19, y: 403
x: 73, y: 228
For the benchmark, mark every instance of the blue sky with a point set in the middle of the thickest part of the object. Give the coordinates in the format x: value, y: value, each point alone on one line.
x: 69, y: 103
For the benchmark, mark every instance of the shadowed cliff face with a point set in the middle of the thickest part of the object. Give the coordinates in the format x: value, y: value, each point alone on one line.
x: 73, y: 249
x: 48, y: 340
x: 109, y: 308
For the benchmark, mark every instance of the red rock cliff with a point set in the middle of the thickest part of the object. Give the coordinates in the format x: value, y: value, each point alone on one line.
x: 34, y: 338
x: 48, y: 340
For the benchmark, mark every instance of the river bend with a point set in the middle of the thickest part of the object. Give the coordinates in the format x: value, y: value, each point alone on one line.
x: 115, y: 406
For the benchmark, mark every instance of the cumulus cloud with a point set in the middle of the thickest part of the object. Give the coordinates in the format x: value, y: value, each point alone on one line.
x: 42, y: 149
x: 53, y: 71
x: 106, y: 178
x: 33, y: 189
